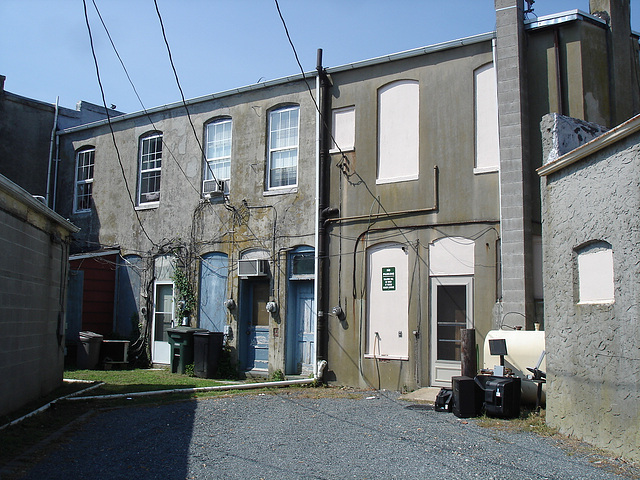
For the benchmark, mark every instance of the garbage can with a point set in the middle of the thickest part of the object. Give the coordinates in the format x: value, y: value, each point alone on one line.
x: 181, y: 343
x: 207, y: 347
x: 88, y: 350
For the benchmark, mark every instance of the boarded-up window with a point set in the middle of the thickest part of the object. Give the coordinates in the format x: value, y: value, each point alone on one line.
x: 398, y: 132
x: 486, y: 121
x: 595, y: 273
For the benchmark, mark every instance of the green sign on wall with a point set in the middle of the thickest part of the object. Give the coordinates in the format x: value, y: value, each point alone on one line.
x: 388, y: 278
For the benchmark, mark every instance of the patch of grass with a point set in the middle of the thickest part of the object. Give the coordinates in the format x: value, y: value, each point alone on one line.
x: 138, y: 380
x: 528, y: 421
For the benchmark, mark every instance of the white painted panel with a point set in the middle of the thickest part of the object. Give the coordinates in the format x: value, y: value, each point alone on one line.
x: 388, y: 301
x: 398, y: 131
x: 344, y: 129
x: 595, y: 267
x: 451, y: 256
x: 486, y: 100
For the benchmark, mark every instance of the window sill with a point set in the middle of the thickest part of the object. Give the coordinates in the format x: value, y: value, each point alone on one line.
x: 343, y: 150
x: 386, y: 357
x: 482, y: 170
x: 147, y: 206
x: 408, y: 178
x: 280, y: 191
x: 82, y: 212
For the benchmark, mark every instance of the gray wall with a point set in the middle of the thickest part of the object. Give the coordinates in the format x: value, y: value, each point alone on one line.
x: 593, y: 353
x: 183, y: 221
x: 33, y: 278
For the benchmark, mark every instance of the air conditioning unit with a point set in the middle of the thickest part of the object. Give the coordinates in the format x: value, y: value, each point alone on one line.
x: 253, y: 268
x: 212, y: 187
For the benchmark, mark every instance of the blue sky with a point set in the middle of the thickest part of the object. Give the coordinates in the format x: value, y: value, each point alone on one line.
x: 216, y: 44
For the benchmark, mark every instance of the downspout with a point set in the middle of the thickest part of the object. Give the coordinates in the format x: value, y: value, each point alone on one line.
x: 556, y: 48
x: 322, y: 194
x: 51, y: 141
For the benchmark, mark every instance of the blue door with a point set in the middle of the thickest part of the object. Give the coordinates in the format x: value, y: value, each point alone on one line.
x: 213, y: 291
x: 302, y: 325
x: 255, y: 325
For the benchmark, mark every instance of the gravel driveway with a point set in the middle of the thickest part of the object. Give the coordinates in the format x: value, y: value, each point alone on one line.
x: 290, y: 436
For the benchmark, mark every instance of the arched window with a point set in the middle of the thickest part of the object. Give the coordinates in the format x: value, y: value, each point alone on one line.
x: 85, y: 160
x: 282, y: 168
x: 398, y: 131
x: 149, y: 168
x: 218, y: 151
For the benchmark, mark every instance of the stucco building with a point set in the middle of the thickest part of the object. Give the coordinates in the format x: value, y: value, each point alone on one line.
x: 210, y: 203
x: 590, y: 231
x: 376, y: 208
x: 433, y: 177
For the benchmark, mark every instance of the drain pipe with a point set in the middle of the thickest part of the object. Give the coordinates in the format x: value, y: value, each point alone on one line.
x: 323, y: 86
x: 53, y: 136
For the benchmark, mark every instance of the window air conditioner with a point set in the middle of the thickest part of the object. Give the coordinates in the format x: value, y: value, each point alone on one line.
x: 253, y: 268
x: 212, y: 187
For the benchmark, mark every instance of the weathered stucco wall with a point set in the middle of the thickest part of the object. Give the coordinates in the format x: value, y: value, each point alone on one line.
x: 467, y: 207
x: 183, y: 221
x: 33, y: 277
x: 593, y: 354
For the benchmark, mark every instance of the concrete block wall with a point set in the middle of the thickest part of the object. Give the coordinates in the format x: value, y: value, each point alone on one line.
x: 33, y: 268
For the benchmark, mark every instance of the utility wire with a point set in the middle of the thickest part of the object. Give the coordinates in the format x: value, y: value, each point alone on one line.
x: 184, y: 101
x: 113, y: 136
x: 139, y: 99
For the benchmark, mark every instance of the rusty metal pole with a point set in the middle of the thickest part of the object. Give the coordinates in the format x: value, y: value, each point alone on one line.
x: 468, y: 352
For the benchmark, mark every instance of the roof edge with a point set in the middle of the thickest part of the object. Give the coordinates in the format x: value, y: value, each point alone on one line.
x: 22, y: 195
x: 608, y: 138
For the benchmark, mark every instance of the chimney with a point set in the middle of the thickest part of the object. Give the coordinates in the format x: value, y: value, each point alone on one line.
x: 2, y: 79
x: 617, y: 14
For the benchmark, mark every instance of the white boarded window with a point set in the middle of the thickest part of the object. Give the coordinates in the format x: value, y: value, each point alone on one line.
x: 452, y: 256
x: 595, y: 273
x: 398, y: 131
x: 343, y: 123
x: 486, y: 121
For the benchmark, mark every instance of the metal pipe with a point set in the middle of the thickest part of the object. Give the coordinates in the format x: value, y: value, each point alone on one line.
x: 51, y: 141
x: 322, y: 205
x: 372, y: 216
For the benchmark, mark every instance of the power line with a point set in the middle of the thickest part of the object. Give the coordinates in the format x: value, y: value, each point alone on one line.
x: 113, y: 136
x: 139, y: 99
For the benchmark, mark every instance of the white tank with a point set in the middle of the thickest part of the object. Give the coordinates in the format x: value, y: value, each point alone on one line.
x: 523, y: 350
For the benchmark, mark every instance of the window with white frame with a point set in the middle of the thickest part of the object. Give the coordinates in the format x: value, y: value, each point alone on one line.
x: 283, y: 147
x: 149, y: 169
x: 486, y: 121
x: 85, y: 160
x: 398, y: 131
x: 218, y: 150
x: 343, y: 123
x: 595, y: 273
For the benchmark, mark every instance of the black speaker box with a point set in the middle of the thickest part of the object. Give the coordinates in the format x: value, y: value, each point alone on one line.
x: 467, y: 397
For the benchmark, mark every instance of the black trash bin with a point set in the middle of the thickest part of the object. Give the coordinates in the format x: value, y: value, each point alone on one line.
x: 181, y: 342
x: 207, y: 347
x: 88, y: 350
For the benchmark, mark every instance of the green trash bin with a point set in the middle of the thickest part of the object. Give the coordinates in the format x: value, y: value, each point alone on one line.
x: 181, y: 343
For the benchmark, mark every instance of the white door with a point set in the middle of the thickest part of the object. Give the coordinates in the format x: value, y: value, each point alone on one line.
x: 451, y: 311
x: 162, y: 320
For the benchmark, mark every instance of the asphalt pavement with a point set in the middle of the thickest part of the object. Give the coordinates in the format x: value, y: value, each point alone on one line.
x: 292, y: 434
